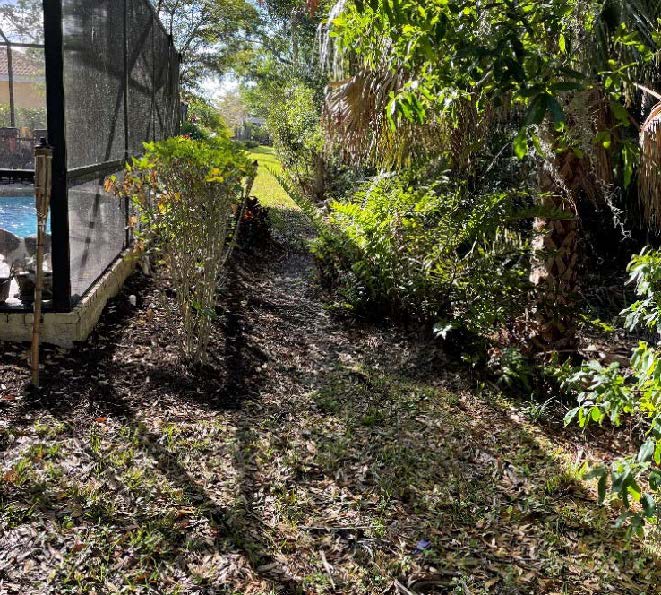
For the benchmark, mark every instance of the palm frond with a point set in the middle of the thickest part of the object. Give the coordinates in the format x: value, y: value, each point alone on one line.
x: 356, y: 116
x: 649, y: 178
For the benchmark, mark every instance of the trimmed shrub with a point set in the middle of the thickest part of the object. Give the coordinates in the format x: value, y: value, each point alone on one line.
x: 186, y: 195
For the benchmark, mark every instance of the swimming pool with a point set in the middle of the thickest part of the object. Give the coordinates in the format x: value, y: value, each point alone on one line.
x: 18, y: 215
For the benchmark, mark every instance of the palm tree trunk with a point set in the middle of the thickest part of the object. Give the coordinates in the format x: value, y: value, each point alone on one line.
x: 554, y: 264
x: 568, y: 182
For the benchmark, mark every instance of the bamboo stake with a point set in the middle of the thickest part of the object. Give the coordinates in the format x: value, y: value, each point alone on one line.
x: 43, y: 157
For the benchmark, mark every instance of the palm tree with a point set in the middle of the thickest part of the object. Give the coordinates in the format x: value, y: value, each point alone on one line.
x: 581, y: 181
x: 574, y: 173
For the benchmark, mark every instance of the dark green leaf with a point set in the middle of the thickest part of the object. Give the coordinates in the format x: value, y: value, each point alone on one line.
x: 601, y: 488
x: 649, y: 505
x: 537, y: 110
x: 555, y: 108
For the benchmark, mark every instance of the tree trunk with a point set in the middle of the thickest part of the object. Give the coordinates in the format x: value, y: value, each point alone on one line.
x: 319, y: 178
x: 568, y: 182
x: 554, y: 264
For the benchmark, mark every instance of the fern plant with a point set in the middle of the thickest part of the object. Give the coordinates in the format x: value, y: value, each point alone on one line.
x: 425, y: 251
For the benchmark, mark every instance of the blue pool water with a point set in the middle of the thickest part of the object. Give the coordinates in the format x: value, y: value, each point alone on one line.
x: 18, y: 215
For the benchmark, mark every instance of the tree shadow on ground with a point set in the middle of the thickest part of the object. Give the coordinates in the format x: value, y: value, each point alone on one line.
x: 441, y: 491
x: 99, y: 391
x: 353, y: 465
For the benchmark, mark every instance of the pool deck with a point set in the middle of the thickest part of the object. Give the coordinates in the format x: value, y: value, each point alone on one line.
x: 16, y: 190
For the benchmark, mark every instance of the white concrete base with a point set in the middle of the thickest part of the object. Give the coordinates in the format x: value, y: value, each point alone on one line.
x: 64, y: 330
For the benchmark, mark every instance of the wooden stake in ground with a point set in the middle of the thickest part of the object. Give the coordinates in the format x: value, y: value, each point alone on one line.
x: 43, y: 158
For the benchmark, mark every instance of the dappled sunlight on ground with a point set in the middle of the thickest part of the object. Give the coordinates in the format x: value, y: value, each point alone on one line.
x: 308, y: 457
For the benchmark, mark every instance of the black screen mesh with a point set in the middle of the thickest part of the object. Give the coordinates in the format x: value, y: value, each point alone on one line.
x: 161, y: 90
x: 96, y: 40
x: 141, y: 75
x: 172, y: 97
x: 93, y: 80
x: 97, y: 224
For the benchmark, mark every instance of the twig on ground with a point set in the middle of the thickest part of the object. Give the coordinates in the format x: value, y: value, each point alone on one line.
x: 402, y: 589
x: 327, y: 568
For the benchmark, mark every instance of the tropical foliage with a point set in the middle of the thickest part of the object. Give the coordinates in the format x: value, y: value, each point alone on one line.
x: 610, y: 393
x: 425, y: 252
x: 488, y: 151
x: 564, y: 75
x: 294, y: 122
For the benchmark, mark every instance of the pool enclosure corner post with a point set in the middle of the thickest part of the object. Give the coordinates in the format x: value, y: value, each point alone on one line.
x: 125, y: 83
x: 54, y: 52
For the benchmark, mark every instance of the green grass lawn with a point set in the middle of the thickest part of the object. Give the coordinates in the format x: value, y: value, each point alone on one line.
x: 266, y: 188
x: 286, y: 217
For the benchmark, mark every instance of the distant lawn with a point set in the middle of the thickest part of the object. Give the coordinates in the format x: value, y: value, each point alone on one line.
x: 287, y: 218
x: 266, y: 187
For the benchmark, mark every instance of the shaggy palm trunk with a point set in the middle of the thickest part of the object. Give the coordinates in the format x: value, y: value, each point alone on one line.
x: 319, y: 178
x: 565, y: 184
x: 554, y: 266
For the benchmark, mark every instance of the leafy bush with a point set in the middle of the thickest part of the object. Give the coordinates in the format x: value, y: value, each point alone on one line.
x: 194, y: 131
x: 184, y: 192
x: 515, y: 371
x: 203, y: 121
x: 612, y: 393
x: 645, y: 272
x: 426, y: 252
x: 294, y: 121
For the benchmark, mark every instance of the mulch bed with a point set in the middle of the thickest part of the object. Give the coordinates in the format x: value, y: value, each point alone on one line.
x: 307, y: 456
